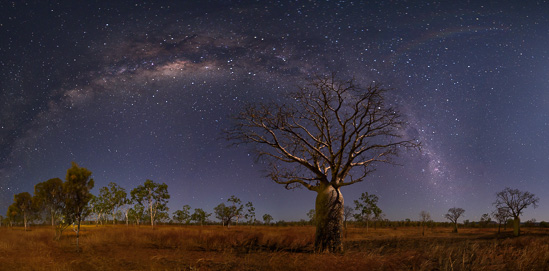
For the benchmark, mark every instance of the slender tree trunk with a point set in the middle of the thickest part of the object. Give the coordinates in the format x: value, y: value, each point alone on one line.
x: 78, y: 234
x: 516, y: 226
x: 499, y: 227
x: 52, y: 217
x: 329, y: 220
x: 25, y: 220
x: 151, y: 209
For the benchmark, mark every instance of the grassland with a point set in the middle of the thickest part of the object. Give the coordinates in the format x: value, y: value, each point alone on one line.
x: 270, y: 248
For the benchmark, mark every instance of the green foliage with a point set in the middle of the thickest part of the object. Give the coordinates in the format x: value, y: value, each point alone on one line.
x: 77, y: 196
x: 154, y: 196
x: 267, y: 219
x: 311, y: 214
x: 200, y: 216
x: 112, y: 197
x: 183, y: 215
x: 367, y: 208
x: 250, y: 212
x: 24, y: 204
x: 49, y: 197
x: 228, y: 213
x: 77, y: 193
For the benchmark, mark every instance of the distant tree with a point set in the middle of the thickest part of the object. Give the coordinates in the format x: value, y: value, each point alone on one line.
x: 367, y: 208
x: 137, y: 213
x: 424, y: 218
x: 250, y: 212
x: 113, y: 197
x: 76, y: 190
x: 23, y: 201
x: 267, y: 219
x: 152, y: 195
x: 200, y: 216
x: 485, y: 220
x: 347, y: 214
x: 97, y: 207
x: 48, y: 196
x: 453, y: 215
x: 183, y: 215
x: 228, y: 213
x: 516, y: 201
x: 311, y: 214
x: 324, y: 136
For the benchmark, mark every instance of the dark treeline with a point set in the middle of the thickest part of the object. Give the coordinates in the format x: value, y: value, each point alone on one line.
x: 63, y: 203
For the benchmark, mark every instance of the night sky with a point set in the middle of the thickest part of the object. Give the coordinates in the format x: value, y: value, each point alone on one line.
x: 144, y: 91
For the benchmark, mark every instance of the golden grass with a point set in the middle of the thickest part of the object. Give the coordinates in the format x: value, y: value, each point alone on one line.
x: 269, y: 248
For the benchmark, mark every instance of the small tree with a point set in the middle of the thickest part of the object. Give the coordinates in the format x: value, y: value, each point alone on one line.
x: 501, y: 215
x: 152, y: 195
x: 183, y: 215
x: 485, y: 220
x: 48, y: 196
x: 114, y: 197
x: 516, y: 201
x: 347, y: 214
x: 453, y: 215
x: 267, y: 219
x: 227, y: 214
x: 250, y: 212
x: 367, y: 208
x: 23, y: 201
x: 76, y: 190
x: 200, y: 216
x: 137, y: 213
x: 424, y: 218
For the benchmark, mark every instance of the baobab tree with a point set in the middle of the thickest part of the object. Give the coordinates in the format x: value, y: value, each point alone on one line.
x: 323, y: 136
x: 453, y: 215
x: 515, y: 201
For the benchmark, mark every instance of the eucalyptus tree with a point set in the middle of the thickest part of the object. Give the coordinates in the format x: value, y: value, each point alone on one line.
x: 250, y: 213
x: 367, y: 208
x: 153, y: 196
x: 23, y: 202
x: 200, y: 216
x: 48, y: 196
x: 515, y: 201
x: 324, y: 136
x: 76, y: 190
x: 114, y: 197
x: 229, y: 213
x: 267, y: 218
x: 183, y: 215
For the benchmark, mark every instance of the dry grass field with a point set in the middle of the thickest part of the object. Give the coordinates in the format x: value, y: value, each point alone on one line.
x: 270, y: 248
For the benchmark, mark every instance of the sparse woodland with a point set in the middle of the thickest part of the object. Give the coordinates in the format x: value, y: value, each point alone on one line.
x: 332, y: 136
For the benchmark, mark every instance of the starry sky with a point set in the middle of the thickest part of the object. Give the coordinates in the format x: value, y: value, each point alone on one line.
x: 136, y: 90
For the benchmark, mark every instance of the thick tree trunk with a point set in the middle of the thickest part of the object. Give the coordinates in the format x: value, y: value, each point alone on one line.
x: 329, y: 220
x: 455, y: 227
x: 516, y: 226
